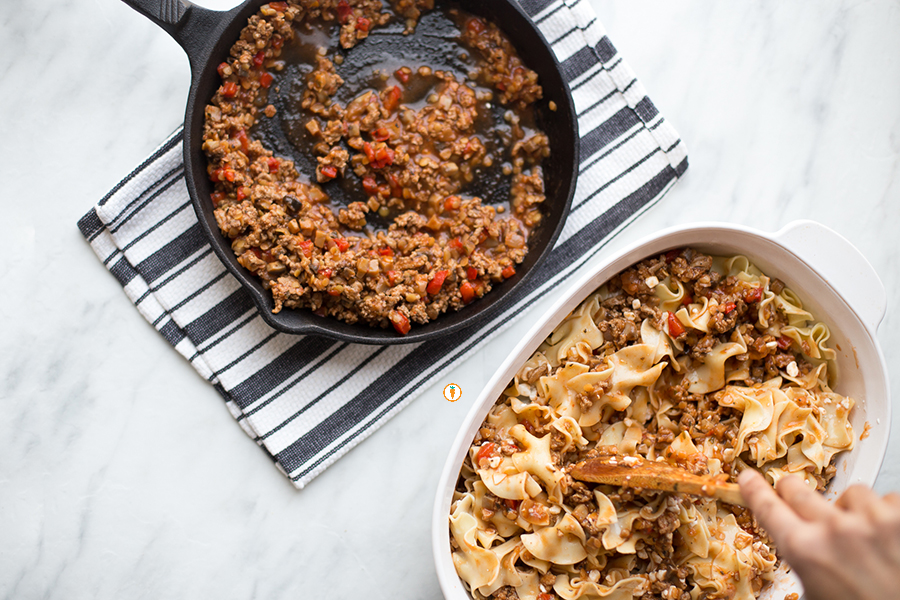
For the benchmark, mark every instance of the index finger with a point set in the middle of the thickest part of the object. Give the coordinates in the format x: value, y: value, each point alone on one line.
x: 773, y: 513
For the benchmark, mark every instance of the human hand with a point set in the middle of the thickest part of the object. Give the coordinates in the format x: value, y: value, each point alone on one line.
x: 843, y: 550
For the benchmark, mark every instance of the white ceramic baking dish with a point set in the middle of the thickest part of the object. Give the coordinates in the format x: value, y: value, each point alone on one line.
x: 831, y: 277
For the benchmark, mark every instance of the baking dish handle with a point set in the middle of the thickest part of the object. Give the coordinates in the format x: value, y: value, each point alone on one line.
x: 841, y: 264
x: 190, y: 25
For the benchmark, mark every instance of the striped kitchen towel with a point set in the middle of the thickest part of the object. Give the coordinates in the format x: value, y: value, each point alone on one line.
x: 308, y: 400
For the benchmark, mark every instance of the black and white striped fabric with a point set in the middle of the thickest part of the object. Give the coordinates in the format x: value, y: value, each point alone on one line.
x: 308, y: 400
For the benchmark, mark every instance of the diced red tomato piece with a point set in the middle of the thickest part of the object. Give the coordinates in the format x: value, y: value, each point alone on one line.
x: 278, y: 41
x: 392, y: 98
x: 386, y: 251
x: 363, y: 24
x: 381, y: 134
x: 326, y: 273
x: 241, y: 136
x: 753, y: 295
x: 396, y: 190
x: 343, y: 11
x: 230, y: 89
x: 485, y: 453
x: 544, y: 596
x: 273, y: 163
x: 508, y: 272
x: 475, y: 25
x: 673, y: 254
x: 343, y: 244
x: 402, y: 75
x: 400, y: 322
x: 393, y: 277
x: 241, y: 193
x: 329, y: 171
x: 223, y: 174
x: 686, y: 300
x: 221, y: 68
x: 512, y: 504
x: 452, y: 203
x: 266, y: 79
x: 784, y: 342
x: 279, y: 6
x: 456, y: 244
x: 384, y: 156
x: 434, y: 286
x: 386, y: 159
x: 472, y: 273
x: 467, y: 292
x: 306, y: 247
x: 379, y: 156
x: 675, y: 326
x: 370, y: 185
x: 334, y: 292
x: 216, y: 198
x: 729, y: 307
x: 256, y: 252
x: 259, y: 58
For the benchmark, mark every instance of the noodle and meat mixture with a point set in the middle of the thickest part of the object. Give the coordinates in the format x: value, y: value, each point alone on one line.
x: 407, y: 142
x: 698, y: 360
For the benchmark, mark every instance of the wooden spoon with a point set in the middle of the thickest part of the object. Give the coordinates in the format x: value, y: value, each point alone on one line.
x: 637, y: 472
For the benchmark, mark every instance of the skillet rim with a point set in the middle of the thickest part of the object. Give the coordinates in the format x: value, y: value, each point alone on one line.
x: 218, y: 41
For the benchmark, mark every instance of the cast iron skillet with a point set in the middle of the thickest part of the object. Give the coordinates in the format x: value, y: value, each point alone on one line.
x: 206, y: 36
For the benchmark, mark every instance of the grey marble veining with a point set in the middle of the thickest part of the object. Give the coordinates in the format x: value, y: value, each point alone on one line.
x: 121, y: 473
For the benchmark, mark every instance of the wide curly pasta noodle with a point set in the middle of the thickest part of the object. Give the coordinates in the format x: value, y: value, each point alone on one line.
x: 744, y: 385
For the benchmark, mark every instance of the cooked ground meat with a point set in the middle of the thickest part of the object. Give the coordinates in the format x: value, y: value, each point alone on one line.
x: 504, y: 69
x: 442, y: 249
x: 507, y: 592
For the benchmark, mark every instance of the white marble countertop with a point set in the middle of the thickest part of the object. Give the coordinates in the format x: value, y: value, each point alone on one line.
x: 789, y: 110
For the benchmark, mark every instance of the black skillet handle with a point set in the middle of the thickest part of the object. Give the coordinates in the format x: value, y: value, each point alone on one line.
x: 190, y: 25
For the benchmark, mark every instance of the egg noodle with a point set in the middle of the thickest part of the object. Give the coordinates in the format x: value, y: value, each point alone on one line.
x: 698, y: 360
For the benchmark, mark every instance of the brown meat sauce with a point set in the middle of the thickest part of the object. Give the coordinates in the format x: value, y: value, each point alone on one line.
x: 382, y: 224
